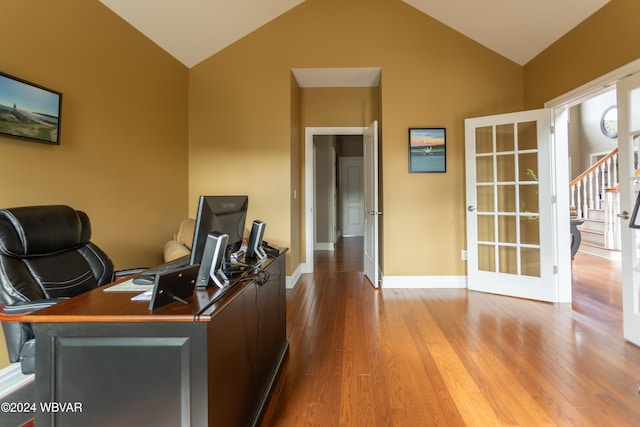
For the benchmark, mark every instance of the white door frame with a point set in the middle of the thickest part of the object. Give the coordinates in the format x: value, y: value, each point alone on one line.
x: 309, y: 184
x: 627, y: 133
x: 594, y: 87
x: 560, y: 106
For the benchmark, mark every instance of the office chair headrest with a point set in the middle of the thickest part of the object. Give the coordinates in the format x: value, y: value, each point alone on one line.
x: 42, y: 230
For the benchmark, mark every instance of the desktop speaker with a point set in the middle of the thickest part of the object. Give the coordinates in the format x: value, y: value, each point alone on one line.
x: 213, y: 261
x: 254, y: 247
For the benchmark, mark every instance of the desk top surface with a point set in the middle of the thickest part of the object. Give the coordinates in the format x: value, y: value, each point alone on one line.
x: 100, y: 306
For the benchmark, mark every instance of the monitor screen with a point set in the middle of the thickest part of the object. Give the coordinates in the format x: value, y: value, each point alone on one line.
x: 224, y: 214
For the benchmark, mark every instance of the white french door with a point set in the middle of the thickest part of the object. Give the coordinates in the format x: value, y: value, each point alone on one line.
x: 510, y: 237
x: 371, y: 214
x: 628, y: 94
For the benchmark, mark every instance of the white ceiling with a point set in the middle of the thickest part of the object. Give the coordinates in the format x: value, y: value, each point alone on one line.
x: 516, y: 29
x: 193, y: 30
x: 337, y: 77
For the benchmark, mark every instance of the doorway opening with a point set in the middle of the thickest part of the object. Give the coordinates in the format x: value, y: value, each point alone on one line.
x: 339, y: 191
x: 612, y: 271
x: 353, y: 96
x: 324, y: 137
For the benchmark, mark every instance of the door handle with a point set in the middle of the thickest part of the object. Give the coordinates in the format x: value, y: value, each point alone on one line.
x: 471, y: 208
x: 374, y: 213
x: 624, y: 215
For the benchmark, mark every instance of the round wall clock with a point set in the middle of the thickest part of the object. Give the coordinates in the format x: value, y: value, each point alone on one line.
x: 609, y: 121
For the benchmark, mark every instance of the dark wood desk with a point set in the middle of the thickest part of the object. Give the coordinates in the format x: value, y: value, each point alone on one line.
x: 107, y: 360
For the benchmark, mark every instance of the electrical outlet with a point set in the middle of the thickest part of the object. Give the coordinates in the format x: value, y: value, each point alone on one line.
x: 463, y: 255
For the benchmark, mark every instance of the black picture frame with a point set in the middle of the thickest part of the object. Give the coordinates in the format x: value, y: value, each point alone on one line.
x: 29, y: 111
x: 173, y: 285
x: 428, y: 150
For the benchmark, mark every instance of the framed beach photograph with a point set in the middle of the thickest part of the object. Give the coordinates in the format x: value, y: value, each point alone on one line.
x: 29, y: 111
x: 427, y: 150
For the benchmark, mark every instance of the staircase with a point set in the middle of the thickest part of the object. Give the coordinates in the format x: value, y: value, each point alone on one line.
x: 595, y: 199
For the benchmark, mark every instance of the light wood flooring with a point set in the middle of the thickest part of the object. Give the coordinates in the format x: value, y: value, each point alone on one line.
x: 449, y: 357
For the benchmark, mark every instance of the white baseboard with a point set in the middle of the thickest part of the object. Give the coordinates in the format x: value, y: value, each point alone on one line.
x: 293, y: 279
x: 12, y: 378
x: 601, y: 252
x: 424, y: 282
x: 325, y: 246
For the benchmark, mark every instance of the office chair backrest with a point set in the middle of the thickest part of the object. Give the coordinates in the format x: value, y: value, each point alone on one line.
x: 45, y: 253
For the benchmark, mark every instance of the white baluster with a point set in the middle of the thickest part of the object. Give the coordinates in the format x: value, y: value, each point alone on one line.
x: 579, y: 207
x: 614, y: 181
x: 590, y: 181
x: 598, y: 178
x: 585, y: 199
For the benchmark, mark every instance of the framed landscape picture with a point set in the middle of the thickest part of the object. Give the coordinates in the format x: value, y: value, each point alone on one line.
x: 29, y: 111
x: 427, y: 150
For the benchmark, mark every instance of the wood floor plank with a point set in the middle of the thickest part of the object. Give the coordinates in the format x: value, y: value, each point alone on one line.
x: 448, y: 357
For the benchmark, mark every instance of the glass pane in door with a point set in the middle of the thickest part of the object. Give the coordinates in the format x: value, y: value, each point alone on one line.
x: 508, y: 259
x: 484, y: 140
x: 486, y: 229
x: 484, y: 169
x: 486, y: 257
x: 527, y: 136
x: 506, y: 167
x: 530, y: 262
x: 504, y: 138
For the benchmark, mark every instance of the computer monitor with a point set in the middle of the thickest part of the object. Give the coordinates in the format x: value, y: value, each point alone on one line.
x: 223, y: 214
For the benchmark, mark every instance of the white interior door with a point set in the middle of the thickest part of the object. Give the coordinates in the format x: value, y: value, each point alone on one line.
x: 352, y: 196
x: 371, y: 214
x: 510, y: 237
x: 628, y: 93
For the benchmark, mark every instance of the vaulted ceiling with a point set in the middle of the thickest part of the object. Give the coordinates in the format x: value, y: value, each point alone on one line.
x: 193, y: 30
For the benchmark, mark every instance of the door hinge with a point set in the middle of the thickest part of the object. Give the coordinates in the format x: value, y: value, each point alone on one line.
x: 554, y: 200
x: 552, y: 130
x: 555, y: 269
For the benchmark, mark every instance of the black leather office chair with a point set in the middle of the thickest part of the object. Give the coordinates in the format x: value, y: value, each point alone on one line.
x: 45, y: 255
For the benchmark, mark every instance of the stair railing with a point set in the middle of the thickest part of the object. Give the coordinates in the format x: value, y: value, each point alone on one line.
x: 598, y: 188
x: 587, y: 191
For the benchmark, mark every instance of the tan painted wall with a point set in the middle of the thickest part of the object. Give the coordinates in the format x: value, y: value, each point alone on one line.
x: 240, y: 114
x: 122, y: 156
x: 339, y: 107
x: 602, y: 43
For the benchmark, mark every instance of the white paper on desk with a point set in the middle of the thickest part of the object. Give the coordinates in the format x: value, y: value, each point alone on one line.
x: 128, y: 286
x: 145, y: 296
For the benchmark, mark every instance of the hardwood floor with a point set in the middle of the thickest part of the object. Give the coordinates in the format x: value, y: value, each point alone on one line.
x: 364, y: 357
x: 597, y: 290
